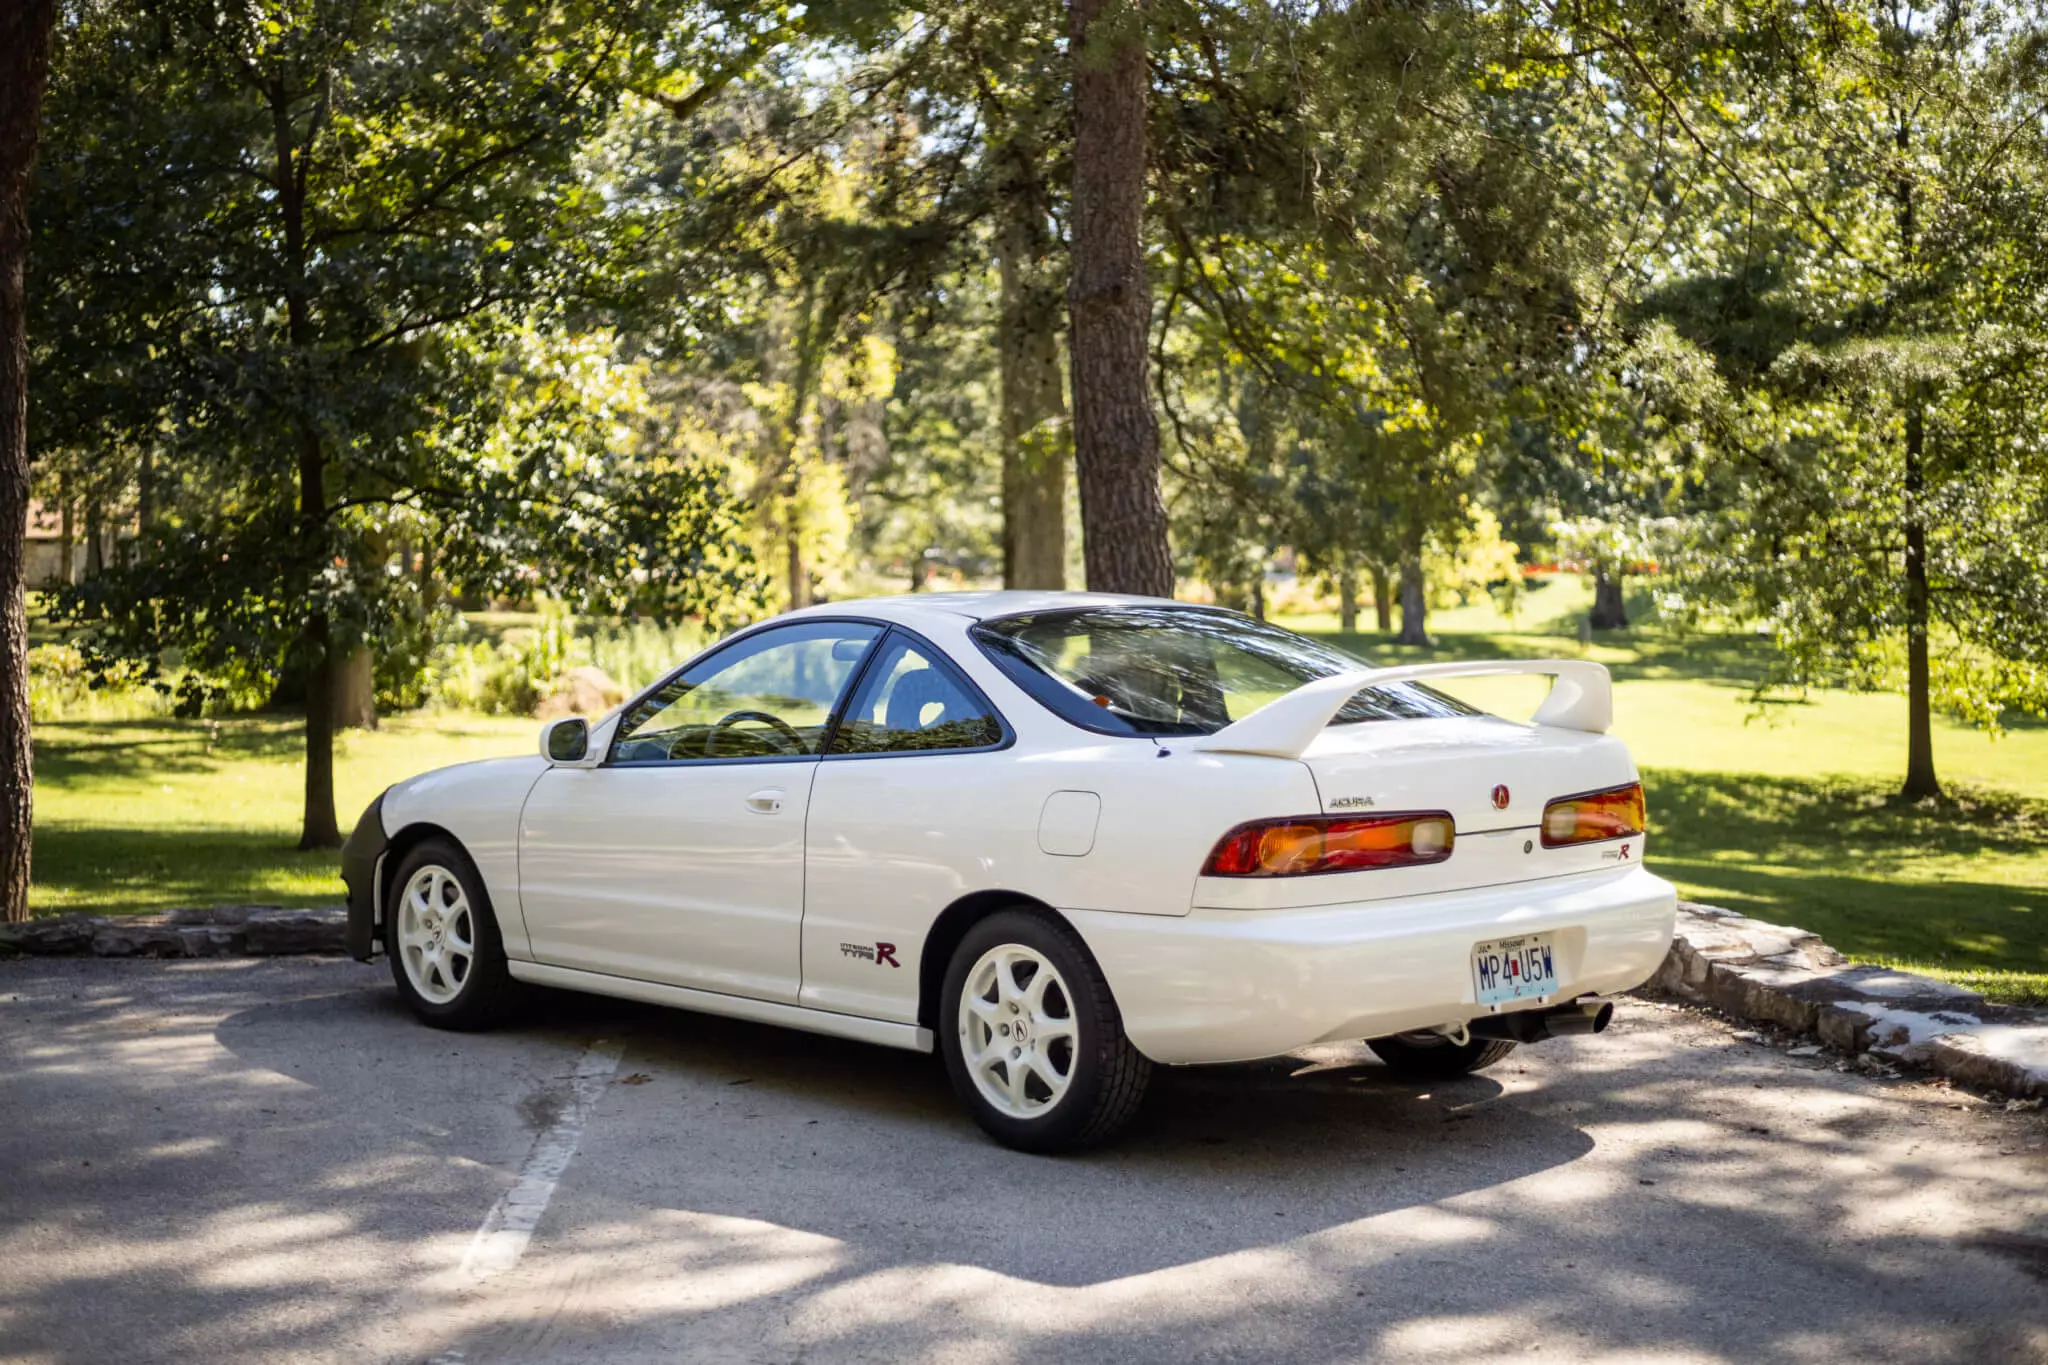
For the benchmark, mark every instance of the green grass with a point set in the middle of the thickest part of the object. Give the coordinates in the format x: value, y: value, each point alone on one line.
x: 1786, y: 815
x: 146, y: 814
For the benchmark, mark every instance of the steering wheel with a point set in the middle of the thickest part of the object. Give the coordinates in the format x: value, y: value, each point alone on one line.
x: 796, y: 741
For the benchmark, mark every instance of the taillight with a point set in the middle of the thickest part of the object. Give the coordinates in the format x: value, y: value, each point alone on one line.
x: 1306, y: 845
x: 1587, y: 819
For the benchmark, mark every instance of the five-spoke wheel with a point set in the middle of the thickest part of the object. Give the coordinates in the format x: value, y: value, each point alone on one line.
x: 1032, y: 1037
x: 443, y: 941
x: 436, y: 934
x: 1018, y: 1033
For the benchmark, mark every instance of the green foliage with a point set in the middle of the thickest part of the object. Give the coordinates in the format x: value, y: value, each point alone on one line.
x: 346, y: 311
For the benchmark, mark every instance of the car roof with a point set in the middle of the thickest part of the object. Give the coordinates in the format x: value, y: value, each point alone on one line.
x: 976, y: 606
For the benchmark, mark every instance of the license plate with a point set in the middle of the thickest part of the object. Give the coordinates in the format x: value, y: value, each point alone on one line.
x: 1514, y: 969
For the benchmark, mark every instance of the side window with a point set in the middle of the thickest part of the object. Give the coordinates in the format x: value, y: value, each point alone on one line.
x: 909, y: 703
x: 770, y: 695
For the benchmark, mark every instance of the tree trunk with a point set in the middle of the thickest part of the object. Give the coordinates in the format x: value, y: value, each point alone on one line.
x: 67, y: 531
x: 95, y: 537
x: 799, y: 572
x: 1035, y: 439
x: 24, y: 66
x: 429, y: 593
x: 1610, y: 612
x: 355, y: 691
x: 1382, y: 599
x: 318, y: 827
x: 1116, y: 433
x: 1414, y: 602
x: 1347, y: 595
x: 1921, y: 782
x: 145, y: 503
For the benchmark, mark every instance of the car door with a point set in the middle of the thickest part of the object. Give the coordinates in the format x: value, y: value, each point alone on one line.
x: 911, y: 809
x: 680, y: 858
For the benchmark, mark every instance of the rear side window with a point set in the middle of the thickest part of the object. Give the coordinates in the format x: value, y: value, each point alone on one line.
x: 1158, y: 671
x: 911, y: 703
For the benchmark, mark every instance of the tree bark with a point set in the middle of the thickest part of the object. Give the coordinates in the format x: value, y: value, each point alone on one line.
x: 24, y: 69
x: 67, y: 532
x: 1610, y: 611
x: 1921, y: 782
x: 1035, y: 437
x: 1382, y: 599
x: 1347, y: 595
x: 799, y: 572
x: 318, y: 826
x: 355, y: 691
x: 430, y: 595
x: 1116, y: 432
x: 1414, y: 602
x: 95, y: 537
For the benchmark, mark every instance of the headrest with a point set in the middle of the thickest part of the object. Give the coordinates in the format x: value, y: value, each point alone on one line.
x: 913, y: 692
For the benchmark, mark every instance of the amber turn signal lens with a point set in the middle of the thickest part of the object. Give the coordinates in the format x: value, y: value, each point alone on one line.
x: 1313, y: 844
x: 1612, y: 814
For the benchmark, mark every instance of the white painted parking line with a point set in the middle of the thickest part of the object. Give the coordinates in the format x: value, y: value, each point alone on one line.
x: 509, y: 1226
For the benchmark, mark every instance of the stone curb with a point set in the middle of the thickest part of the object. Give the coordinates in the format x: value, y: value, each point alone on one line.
x: 1767, y: 973
x: 223, y: 931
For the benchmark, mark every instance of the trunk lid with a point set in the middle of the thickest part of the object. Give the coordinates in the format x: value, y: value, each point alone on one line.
x: 1453, y: 764
x: 1458, y: 764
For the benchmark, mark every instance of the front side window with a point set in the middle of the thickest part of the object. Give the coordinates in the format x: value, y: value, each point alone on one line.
x: 769, y: 695
x: 910, y: 703
x: 1159, y: 671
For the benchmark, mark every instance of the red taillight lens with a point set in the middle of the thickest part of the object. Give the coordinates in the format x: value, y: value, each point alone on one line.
x: 1311, y: 844
x: 1587, y: 819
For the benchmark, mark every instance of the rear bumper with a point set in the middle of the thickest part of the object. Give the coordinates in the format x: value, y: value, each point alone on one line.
x: 359, y: 859
x: 1231, y: 985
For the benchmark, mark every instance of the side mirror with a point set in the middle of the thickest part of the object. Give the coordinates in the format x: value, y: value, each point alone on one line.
x: 566, y: 740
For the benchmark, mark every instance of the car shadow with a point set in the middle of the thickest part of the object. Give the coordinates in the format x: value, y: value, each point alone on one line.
x: 847, y: 1140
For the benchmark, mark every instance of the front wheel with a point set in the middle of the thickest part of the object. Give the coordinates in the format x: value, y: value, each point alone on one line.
x: 1032, y: 1039
x: 443, y: 941
x: 1433, y: 1057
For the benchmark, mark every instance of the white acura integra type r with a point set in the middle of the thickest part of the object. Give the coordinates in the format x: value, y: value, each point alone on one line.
x: 1062, y: 837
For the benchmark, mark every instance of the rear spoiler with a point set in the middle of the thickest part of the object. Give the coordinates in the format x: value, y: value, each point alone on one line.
x: 1582, y: 698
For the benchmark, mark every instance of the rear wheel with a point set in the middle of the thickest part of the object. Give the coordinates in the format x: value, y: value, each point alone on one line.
x: 1032, y: 1039
x: 1434, y: 1057
x: 443, y: 941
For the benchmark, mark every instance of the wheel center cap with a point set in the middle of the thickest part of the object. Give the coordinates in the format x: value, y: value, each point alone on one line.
x: 1020, y: 1030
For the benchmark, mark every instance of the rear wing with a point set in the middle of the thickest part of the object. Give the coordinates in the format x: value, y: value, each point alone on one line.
x: 1582, y: 698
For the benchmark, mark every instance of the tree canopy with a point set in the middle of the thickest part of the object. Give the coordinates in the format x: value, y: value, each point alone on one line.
x: 707, y: 309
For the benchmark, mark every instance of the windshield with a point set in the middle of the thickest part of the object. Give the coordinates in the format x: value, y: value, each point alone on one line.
x: 1179, y: 670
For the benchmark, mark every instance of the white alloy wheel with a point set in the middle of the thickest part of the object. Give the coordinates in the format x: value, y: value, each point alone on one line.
x: 1018, y: 1034
x: 436, y: 934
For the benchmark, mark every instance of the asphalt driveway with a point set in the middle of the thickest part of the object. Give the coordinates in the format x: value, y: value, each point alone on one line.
x: 265, y: 1160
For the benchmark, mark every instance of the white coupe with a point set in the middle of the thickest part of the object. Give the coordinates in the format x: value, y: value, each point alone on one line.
x: 1062, y: 837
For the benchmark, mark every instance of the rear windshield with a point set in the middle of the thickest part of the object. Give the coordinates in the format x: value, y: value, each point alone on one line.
x: 1179, y: 670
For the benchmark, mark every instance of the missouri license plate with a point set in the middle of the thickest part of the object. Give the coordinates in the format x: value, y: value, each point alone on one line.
x: 1514, y: 969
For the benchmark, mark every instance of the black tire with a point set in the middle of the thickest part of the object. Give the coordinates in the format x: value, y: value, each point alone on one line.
x: 1433, y: 1057
x: 484, y: 993
x: 1105, y: 1075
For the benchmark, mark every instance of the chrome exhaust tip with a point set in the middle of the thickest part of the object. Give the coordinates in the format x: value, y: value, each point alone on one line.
x: 1588, y: 1014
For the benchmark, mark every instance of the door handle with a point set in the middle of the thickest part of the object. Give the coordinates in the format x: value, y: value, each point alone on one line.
x: 766, y: 802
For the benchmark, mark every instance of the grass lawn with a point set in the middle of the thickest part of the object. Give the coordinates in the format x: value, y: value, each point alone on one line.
x: 145, y: 814
x: 1785, y: 816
